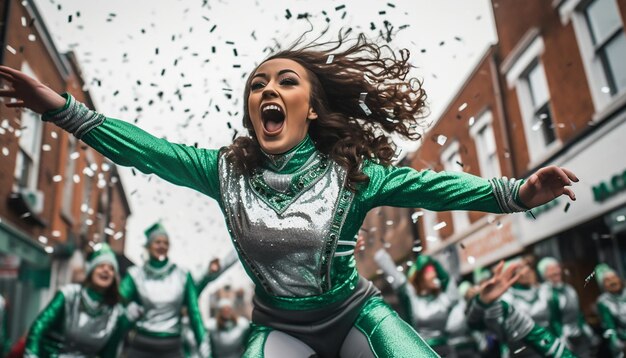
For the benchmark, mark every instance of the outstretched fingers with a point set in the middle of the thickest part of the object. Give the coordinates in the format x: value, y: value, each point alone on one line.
x: 8, y: 93
x: 569, y: 192
x: 570, y: 175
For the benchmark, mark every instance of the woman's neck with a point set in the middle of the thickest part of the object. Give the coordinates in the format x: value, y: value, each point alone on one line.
x: 293, y: 159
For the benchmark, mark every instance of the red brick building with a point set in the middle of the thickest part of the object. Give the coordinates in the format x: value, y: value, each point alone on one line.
x: 57, y: 195
x: 552, y: 91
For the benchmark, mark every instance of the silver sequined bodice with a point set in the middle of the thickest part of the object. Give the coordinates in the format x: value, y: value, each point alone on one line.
x: 229, y: 343
x: 431, y: 313
x: 88, y: 325
x: 287, y: 250
x: 532, y: 301
x: 162, y: 297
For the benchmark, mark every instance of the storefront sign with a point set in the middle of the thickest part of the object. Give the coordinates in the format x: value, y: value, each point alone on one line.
x: 607, y: 189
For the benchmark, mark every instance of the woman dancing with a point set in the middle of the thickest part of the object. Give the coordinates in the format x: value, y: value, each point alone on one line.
x: 295, y: 191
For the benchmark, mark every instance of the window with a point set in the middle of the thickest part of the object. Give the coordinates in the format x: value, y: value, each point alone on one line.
x: 482, y: 132
x: 541, y: 119
x: 27, y: 161
x: 602, y: 44
x: 451, y: 159
x: 609, y: 41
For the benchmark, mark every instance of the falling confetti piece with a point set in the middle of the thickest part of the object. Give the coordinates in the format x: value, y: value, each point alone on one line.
x: 589, y: 278
x: 57, y: 178
x: 471, y: 260
x: 441, y: 139
x: 566, y: 207
x: 440, y: 226
x: 330, y: 59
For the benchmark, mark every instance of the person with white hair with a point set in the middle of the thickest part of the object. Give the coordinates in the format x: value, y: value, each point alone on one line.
x: 612, y: 308
x: 228, y: 331
x: 566, y: 318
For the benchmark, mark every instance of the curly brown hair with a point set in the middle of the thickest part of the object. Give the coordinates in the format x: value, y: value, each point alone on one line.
x: 343, y: 130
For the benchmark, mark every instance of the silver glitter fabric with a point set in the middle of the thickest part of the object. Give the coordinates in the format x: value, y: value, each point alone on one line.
x: 162, y: 297
x: 285, y: 249
x: 88, y: 324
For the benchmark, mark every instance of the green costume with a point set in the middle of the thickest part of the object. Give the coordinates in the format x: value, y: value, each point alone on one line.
x: 77, y: 322
x: 612, y: 311
x: 293, y: 223
x: 515, y: 328
x: 162, y: 289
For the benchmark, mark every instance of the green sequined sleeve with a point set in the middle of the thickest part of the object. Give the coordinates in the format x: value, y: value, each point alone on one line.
x: 128, y: 145
x: 195, y: 317
x: 51, y: 318
x: 128, y: 290
x: 407, y: 187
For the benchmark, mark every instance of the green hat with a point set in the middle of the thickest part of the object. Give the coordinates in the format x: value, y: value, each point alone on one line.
x: 155, y: 230
x: 464, y: 287
x: 544, y: 263
x: 102, y: 253
x: 601, y: 270
x: 480, y: 274
x: 424, y: 260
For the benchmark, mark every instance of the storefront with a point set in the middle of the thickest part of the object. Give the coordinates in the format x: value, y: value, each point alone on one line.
x: 591, y: 229
x: 24, y: 276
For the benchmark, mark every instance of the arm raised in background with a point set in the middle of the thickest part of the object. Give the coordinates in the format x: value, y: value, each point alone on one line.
x: 195, y: 318
x: 442, y: 191
x: 216, y: 268
x: 487, y: 311
x: 122, y: 142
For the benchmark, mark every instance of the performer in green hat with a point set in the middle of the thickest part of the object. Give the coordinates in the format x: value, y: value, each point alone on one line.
x: 566, y: 318
x: 83, y: 320
x: 611, y: 308
x: 428, y: 298
x: 295, y: 190
x: 162, y: 289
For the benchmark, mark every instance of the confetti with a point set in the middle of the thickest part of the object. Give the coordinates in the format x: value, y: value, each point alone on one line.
x: 441, y: 139
x: 57, y: 178
x: 440, y: 226
x: 330, y: 59
x: 566, y: 207
x: 362, y: 104
x: 589, y: 278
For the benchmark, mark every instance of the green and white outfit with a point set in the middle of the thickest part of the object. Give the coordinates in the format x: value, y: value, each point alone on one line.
x: 612, y: 312
x: 5, y: 343
x: 515, y: 329
x: 77, y: 323
x: 430, y: 315
x: 293, y: 223
x: 229, y: 341
x: 162, y: 289
x: 533, y: 301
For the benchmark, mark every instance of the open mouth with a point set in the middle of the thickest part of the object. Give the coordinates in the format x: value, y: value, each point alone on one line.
x: 273, y: 118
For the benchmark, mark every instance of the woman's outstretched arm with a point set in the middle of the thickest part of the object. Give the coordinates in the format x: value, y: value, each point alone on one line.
x: 441, y: 191
x: 122, y: 142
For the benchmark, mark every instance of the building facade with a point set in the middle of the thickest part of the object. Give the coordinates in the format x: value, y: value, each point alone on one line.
x: 58, y: 195
x: 552, y: 91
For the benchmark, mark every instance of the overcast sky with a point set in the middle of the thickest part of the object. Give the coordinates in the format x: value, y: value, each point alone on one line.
x: 177, y: 69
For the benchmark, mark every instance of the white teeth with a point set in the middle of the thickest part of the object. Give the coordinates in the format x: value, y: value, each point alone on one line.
x: 272, y: 107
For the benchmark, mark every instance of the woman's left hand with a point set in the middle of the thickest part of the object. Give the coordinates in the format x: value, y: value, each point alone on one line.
x: 547, y: 184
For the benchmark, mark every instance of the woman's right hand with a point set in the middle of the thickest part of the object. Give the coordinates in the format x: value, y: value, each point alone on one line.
x: 28, y: 92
